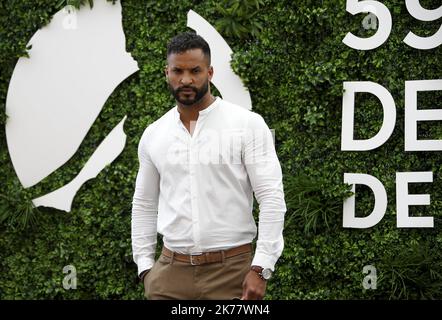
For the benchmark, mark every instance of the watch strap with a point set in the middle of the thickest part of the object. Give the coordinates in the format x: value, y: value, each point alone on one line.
x: 258, y: 271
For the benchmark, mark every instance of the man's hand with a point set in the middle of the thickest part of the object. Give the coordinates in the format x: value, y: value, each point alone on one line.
x: 253, y: 286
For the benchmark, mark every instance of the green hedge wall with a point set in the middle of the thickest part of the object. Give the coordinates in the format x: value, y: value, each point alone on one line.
x: 291, y: 57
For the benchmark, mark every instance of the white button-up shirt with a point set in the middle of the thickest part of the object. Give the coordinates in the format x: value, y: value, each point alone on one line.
x: 197, y: 190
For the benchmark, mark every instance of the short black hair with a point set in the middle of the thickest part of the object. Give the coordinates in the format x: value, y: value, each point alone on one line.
x: 188, y: 41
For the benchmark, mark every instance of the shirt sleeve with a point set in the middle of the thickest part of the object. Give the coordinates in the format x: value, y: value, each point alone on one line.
x: 145, y: 209
x: 265, y: 175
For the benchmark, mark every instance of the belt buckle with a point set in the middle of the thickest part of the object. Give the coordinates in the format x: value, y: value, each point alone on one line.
x: 191, y: 259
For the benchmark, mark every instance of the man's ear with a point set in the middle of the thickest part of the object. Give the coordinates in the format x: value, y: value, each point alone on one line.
x: 210, y: 72
x: 166, y: 73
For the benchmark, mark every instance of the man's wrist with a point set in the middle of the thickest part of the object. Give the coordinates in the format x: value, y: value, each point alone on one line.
x: 264, y: 273
x: 143, y: 274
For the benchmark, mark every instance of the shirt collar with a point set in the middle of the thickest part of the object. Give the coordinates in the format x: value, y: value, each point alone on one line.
x: 203, y: 113
x: 212, y: 106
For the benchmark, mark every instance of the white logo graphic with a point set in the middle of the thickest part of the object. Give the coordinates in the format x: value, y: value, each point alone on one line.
x: 55, y: 96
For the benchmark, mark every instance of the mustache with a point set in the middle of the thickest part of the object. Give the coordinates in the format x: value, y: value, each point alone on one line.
x: 186, y: 87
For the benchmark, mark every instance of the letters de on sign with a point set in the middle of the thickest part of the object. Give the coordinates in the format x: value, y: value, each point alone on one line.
x: 412, y: 116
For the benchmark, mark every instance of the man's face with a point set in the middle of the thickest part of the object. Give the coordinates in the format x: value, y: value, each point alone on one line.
x: 188, y: 75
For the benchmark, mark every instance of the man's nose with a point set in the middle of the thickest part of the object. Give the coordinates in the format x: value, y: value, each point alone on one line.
x: 186, y: 80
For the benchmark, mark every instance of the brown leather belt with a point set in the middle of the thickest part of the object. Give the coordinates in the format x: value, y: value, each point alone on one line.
x: 207, y: 257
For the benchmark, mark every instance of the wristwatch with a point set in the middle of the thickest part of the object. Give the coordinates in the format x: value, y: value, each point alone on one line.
x: 264, y: 273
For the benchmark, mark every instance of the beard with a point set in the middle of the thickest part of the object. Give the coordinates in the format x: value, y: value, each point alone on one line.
x: 185, y: 99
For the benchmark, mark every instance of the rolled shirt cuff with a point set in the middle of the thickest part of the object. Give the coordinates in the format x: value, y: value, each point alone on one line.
x: 144, y: 264
x: 264, y: 261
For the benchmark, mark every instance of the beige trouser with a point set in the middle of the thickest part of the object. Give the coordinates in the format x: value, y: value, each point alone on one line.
x: 172, y: 279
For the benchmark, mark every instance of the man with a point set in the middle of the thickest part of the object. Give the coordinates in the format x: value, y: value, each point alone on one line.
x: 199, y: 166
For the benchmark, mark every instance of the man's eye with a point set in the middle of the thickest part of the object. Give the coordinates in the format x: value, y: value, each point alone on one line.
x: 196, y: 70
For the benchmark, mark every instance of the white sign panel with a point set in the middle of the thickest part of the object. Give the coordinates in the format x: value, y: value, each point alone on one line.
x: 55, y: 96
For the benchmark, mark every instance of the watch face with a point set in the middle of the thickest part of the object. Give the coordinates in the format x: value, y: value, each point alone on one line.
x: 266, y: 274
